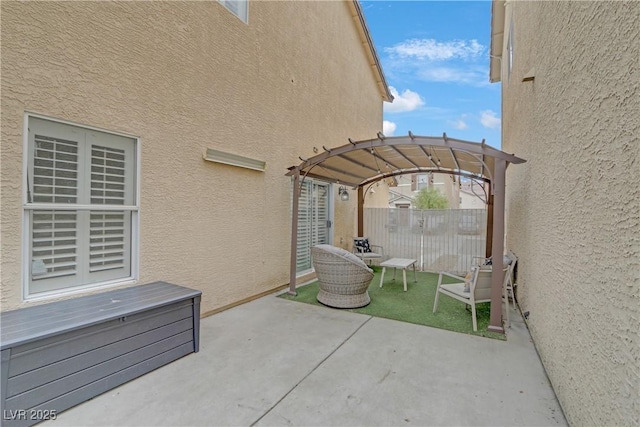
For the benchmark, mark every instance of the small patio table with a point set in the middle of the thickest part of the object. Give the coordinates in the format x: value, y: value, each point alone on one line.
x: 396, y: 263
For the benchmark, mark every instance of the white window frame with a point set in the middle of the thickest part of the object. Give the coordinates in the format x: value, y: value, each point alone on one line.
x: 239, y: 8
x: 28, y: 207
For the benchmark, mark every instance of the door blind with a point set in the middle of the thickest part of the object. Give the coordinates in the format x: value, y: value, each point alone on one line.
x: 313, y: 217
x: 303, y: 253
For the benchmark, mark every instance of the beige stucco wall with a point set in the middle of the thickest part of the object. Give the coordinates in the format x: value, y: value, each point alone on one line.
x: 573, y: 210
x: 184, y: 76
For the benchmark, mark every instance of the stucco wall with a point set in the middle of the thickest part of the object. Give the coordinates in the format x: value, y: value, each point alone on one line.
x: 573, y: 210
x: 184, y: 77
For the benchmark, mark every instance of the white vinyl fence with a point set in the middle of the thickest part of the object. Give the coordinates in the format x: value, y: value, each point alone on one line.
x: 441, y: 240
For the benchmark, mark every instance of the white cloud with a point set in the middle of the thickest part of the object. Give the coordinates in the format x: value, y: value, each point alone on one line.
x: 388, y: 128
x: 455, y: 61
x: 489, y: 120
x: 436, y: 51
x: 406, y: 101
x: 460, y: 124
x: 456, y: 75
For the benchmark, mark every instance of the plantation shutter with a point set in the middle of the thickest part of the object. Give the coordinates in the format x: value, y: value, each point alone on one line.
x: 55, y: 170
x: 111, y: 177
x: 71, y: 172
x: 54, y: 175
x: 321, y: 214
x: 303, y: 254
x: 313, y: 217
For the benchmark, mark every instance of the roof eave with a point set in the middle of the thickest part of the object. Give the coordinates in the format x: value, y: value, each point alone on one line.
x: 365, y: 36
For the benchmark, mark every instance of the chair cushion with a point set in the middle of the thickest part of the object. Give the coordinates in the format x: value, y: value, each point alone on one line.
x: 343, y: 253
x: 370, y: 255
x: 362, y: 245
x: 505, y: 261
x: 456, y: 289
x: 467, y: 281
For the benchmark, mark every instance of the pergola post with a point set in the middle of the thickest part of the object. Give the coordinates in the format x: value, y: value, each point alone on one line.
x: 489, y: 243
x: 497, y: 248
x: 360, y: 211
x: 294, y: 233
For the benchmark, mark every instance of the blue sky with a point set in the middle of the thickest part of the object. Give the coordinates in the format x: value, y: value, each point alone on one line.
x: 435, y: 56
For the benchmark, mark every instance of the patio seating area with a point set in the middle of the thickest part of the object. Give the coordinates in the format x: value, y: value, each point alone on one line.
x: 278, y: 362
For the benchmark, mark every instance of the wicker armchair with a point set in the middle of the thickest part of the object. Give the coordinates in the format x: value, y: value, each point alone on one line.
x: 343, y: 278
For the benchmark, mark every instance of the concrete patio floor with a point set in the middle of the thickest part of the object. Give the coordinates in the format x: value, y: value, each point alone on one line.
x: 273, y: 362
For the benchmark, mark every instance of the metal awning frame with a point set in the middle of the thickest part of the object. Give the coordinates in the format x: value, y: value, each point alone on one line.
x: 359, y: 164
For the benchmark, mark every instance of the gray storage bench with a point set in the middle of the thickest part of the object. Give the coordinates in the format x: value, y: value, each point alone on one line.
x: 57, y: 355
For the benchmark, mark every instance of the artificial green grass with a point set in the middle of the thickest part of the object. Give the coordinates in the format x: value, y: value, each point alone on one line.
x: 413, y: 306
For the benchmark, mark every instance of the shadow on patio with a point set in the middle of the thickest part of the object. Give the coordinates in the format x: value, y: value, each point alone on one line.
x: 278, y: 362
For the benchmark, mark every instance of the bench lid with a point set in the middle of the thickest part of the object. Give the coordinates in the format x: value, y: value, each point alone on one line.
x: 33, y: 323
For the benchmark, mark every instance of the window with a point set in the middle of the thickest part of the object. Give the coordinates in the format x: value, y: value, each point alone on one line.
x: 422, y: 181
x: 81, y: 207
x: 510, y: 50
x: 240, y: 8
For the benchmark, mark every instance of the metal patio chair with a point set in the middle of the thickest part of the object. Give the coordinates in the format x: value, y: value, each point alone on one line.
x: 364, y: 250
x: 479, y: 289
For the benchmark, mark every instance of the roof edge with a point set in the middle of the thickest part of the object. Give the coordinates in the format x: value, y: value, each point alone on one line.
x: 365, y: 35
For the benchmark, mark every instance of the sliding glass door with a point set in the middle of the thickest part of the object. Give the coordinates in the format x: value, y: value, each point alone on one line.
x: 314, y: 221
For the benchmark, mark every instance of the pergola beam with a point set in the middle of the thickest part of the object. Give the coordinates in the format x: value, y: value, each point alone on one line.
x: 424, y: 150
x: 382, y: 159
x: 455, y: 159
x: 405, y: 157
x: 419, y: 170
x: 355, y: 162
x: 371, y: 144
x: 341, y: 171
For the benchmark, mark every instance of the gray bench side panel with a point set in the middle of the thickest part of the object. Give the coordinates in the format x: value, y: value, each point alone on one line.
x: 96, y: 388
x: 67, y: 384
x: 83, y: 340
x: 6, y: 357
x: 196, y: 324
x: 79, y: 362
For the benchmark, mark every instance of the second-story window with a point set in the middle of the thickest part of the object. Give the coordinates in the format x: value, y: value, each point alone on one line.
x: 510, y: 51
x: 240, y: 8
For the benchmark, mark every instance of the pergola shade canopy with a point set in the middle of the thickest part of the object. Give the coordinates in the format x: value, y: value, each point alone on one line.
x: 360, y: 163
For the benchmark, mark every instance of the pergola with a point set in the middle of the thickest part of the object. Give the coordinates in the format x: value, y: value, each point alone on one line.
x: 362, y: 163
